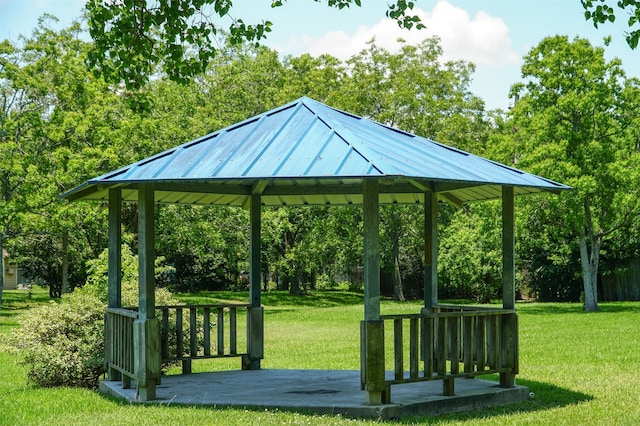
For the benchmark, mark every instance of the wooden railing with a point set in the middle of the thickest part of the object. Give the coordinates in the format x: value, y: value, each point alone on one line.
x: 447, y: 343
x: 187, y: 332
x: 200, y: 332
x: 119, y: 346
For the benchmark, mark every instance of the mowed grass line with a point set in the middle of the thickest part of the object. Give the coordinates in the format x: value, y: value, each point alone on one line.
x: 584, y: 369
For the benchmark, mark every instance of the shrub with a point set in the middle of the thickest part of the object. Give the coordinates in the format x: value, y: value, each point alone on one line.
x: 63, y: 343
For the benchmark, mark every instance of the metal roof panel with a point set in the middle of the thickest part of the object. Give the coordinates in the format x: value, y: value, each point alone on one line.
x: 308, y: 143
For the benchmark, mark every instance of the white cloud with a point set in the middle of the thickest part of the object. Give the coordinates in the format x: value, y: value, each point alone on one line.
x: 482, y: 39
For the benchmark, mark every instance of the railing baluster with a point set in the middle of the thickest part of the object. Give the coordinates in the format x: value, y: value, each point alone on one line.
x: 398, y: 349
x: 233, y: 333
x: 491, y: 343
x: 164, y: 335
x: 454, y: 344
x: 481, y: 343
x: 413, y: 348
x: 428, y: 345
x: 179, y: 341
x: 467, y: 344
x: 207, y: 330
x: 193, y: 332
x: 441, y: 347
x: 220, y: 325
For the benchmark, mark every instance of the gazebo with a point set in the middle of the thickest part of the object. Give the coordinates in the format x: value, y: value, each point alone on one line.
x: 307, y: 153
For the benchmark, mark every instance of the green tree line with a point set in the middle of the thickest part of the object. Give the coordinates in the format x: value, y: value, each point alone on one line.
x: 575, y: 119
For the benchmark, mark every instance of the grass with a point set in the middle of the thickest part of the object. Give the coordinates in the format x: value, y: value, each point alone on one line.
x: 584, y: 369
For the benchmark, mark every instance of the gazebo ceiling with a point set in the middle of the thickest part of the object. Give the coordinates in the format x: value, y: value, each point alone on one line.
x: 307, y: 153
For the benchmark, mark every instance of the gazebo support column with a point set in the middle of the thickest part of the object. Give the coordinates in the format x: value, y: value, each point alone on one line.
x: 146, y: 329
x: 430, y: 250
x: 114, y: 277
x: 431, y: 270
x: 372, y: 328
x: 255, y: 323
x: 509, y: 355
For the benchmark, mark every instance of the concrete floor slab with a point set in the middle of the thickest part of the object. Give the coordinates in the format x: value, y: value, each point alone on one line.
x: 319, y: 391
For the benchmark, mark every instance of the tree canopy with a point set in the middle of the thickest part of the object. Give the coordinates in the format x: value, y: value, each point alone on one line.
x: 575, y: 120
x: 132, y: 38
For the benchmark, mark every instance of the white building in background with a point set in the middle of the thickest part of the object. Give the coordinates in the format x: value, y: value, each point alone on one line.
x: 10, y: 272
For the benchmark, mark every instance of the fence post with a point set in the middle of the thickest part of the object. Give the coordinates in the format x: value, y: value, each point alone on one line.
x: 255, y: 338
x: 509, y: 350
x: 377, y: 392
x: 146, y: 361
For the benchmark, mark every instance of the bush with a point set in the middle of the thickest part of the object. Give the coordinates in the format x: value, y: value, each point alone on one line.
x: 63, y: 343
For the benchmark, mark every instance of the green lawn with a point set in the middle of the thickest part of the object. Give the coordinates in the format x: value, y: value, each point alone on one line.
x: 583, y: 369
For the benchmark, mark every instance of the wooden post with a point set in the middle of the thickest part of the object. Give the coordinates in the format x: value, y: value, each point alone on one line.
x: 146, y: 331
x: 371, y: 250
x: 115, y: 249
x: 508, y: 355
x: 430, y: 250
x: 373, y: 328
x: 430, y: 271
x: 377, y: 392
x: 508, y: 249
x: 255, y: 319
x: 114, y: 275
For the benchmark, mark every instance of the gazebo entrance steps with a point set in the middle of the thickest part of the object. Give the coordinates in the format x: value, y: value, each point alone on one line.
x: 319, y: 391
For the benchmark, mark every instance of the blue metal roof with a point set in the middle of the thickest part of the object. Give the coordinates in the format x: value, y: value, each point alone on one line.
x: 306, y: 152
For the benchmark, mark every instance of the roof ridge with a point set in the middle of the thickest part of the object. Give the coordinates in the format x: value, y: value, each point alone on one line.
x: 360, y: 148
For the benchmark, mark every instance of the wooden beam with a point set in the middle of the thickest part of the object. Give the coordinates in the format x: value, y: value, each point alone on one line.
x: 255, y: 315
x: 509, y: 337
x: 254, y: 250
x: 115, y: 249
x: 508, y: 249
x: 451, y: 199
x: 232, y: 188
x: 430, y: 250
x: 146, y: 251
x: 371, y: 250
x: 146, y: 329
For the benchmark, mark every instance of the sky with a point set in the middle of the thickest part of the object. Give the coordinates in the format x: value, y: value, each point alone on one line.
x: 493, y: 34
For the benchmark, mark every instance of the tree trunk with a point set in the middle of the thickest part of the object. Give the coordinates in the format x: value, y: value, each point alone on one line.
x: 65, y: 263
x: 295, y: 286
x: 590, y: 262
x: 1, y: 269
x: 398, y: 293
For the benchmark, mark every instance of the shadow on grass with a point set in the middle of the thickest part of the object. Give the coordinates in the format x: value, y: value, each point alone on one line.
x: 549, y: 308
x: 545, y: 396
x: 576, y: 308
x: 315, y: 299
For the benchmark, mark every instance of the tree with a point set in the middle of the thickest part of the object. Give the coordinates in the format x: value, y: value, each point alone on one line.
x: 24, y: 102
x: 133, y: 37
x: 59, y: 127
x: 601, y: 11
x: 575, y: 120
x: 470, y: 256
x: 414, y: 91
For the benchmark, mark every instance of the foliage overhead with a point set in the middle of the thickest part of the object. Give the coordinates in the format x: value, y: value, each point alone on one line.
x: 602, y: 11
x: 132, y: 38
